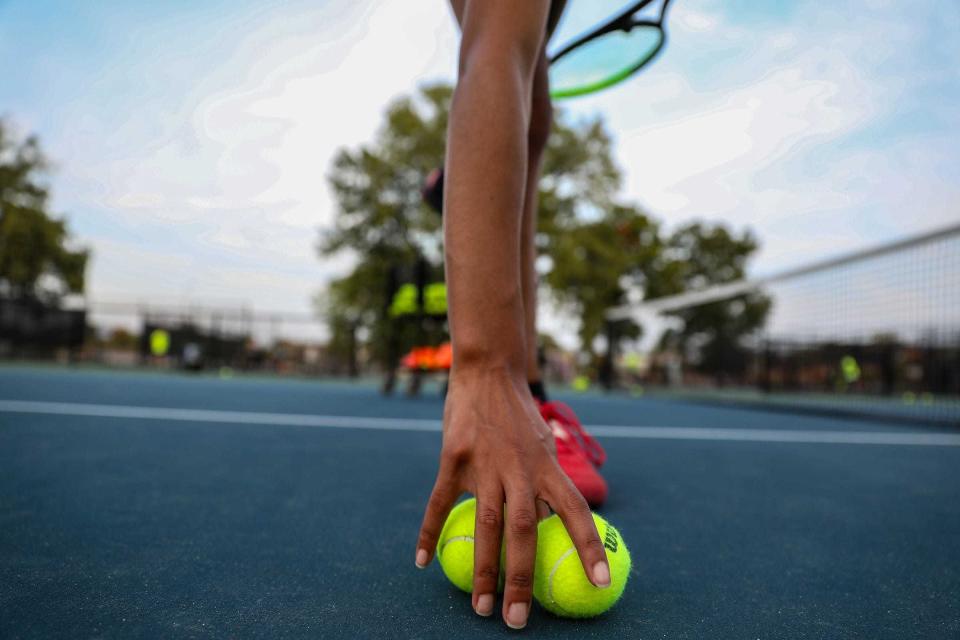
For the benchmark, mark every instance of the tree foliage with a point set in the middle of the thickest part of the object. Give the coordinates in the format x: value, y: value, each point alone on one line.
x: 699, y: 256
x: 381, y: 218
x: 596, y: 248
x: 595, y: 263
x: 37, y: 258
x: 377, y: 187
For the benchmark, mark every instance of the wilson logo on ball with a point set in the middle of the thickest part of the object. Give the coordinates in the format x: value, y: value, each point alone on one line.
x: 610, y: 539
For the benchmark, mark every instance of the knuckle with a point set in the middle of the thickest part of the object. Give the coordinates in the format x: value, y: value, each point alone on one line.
x: 523, y: 522
x: 518, y: 450
x: 456, y: 455
x: 433, y: 522
x: 428, y: 531
x: 593, y: 542
x: 520, y: 579
x: 489, y: 518
x: 456, y: 452
x: 487, y: 572
x: 428, y: 535
x: 435, y: 507
x: 574, y: 504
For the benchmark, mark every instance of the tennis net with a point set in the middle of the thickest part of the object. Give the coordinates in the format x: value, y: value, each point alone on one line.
x: 875, y: 333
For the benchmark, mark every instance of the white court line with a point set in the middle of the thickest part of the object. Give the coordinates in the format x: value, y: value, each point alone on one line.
x: 929, y: 439
x: 906, y: 438
x: 213, y: 415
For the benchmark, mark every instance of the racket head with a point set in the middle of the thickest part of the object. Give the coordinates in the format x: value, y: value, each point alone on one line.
x: 606, y: 60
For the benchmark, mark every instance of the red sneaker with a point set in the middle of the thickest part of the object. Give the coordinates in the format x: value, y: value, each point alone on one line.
x: 576, y: 452
x: 556, y: 411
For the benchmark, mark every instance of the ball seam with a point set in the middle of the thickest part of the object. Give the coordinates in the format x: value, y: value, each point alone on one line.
x: 553, y: 572
x: 447, y: 541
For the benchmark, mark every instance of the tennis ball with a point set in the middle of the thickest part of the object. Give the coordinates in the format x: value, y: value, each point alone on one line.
x: 580, y: 383
x: 455, y: 546
x: 561, y: 586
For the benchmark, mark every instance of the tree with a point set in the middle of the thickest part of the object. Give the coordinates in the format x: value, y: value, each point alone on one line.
x: 599, y: 250
x: 349, y: 304
x: 380, y: 217
x: 595, y: 263
x: 37, y: 256
x: 382, y: 221
x: 697, y: 256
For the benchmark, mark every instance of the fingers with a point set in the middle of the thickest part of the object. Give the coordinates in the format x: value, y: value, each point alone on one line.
x: 487, y: 536
x: 576, y: 516
x: 521, y: 535
x: 442, y: 497
x: 543, y: 510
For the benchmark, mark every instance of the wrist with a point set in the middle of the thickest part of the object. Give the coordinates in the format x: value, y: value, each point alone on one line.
x: 486, y: 360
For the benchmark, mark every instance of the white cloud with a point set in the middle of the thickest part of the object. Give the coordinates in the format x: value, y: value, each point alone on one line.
x: 790, y: 138
x: 705, y: 163
x: 779, y: 127
x: 691, y: 20
x: 237, y: 165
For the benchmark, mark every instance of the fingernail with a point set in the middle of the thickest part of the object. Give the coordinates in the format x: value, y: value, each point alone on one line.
x: 517, y: 615
x: 601, y: 575
x: 422, y: 557
x: 484, y: 604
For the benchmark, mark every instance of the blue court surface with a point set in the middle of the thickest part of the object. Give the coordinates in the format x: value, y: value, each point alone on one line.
x: 137, y: 505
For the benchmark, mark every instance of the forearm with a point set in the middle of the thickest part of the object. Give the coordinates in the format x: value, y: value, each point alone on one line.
x: 486, y: 173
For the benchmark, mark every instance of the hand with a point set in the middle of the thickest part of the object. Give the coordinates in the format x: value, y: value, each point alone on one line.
x: 497, y: 447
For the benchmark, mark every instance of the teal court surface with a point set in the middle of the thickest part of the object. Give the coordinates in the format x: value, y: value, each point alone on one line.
x: 138, y: 505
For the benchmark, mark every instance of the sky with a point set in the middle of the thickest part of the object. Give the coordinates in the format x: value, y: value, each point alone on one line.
x: 191, y: 139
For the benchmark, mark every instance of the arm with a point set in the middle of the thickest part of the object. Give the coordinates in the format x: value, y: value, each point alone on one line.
x: 495, y: 445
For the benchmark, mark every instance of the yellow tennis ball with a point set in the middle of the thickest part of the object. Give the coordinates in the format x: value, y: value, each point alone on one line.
x: 561, y: 586
x: 455, y: 546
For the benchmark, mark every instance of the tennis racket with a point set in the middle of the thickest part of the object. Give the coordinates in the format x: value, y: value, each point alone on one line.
x: 609, y: 54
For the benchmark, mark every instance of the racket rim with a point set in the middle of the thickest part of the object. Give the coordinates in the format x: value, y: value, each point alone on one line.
x: 622, y: 21
x: 616, y: 77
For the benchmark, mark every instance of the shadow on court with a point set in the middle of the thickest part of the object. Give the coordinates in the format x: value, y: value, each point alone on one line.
x: 146, y: 505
